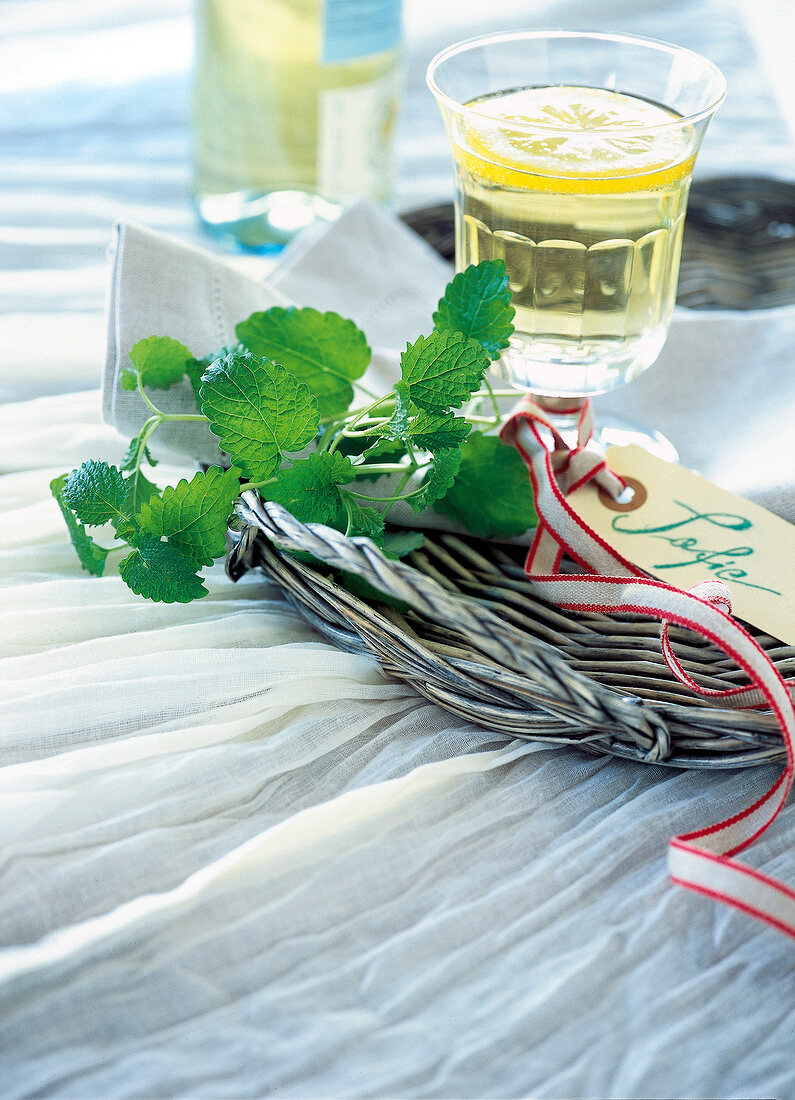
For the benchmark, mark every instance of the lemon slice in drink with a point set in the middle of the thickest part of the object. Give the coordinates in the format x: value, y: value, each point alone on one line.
x: 575, y: 141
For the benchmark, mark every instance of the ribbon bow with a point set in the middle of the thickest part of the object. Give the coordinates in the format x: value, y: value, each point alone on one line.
x: 700, y: 861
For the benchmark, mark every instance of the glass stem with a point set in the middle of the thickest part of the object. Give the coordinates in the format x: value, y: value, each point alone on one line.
x: 564, y: 414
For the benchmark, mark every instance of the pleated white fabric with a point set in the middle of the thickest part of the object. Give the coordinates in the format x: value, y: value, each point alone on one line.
x: 235, y: 861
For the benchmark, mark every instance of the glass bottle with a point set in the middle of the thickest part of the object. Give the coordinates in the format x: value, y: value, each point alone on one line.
x: 294, y: 109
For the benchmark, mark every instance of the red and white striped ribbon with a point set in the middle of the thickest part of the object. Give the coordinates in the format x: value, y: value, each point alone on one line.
x: 702, y: 860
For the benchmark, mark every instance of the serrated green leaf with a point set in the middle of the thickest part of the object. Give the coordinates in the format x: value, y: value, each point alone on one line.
x: 428, y: 430
x: 309, y: 489
x: 160, y: 360
x: 366, y: 521
x: 140, y: 490
x: 478, y: 303
x: 491, y: 495
x: 195, y: 368
x: 159, y: 572
x: 92, y: 557
x: 323, y: 350
x: 384, y: 449
x: 437, y: 431
x: 258, y: 410
x: 443, y: 369
x: 193, y: 515
x: 96, y: 493
x: 399, y: 543
x: 438, y: 479
x: 129, y: 380
x: 131, y: 457
x: 398, y: 425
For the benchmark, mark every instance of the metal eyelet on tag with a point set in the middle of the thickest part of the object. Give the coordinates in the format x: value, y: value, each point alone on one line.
x: 640, y: 496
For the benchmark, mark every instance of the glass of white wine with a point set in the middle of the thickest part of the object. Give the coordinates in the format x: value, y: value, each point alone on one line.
x: 573, y: 155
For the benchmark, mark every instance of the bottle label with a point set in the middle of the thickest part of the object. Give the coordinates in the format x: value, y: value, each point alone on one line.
x: 357, y: 28
x: 353, y: 146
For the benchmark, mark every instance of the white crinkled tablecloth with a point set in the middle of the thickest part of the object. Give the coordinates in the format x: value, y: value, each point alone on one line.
x: 235, y: 861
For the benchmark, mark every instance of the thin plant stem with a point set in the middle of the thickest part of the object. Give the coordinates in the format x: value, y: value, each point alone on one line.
x: 388, y: 467
x: 352, y: 423
x: 349, y: 510
x: 145, y: 396
x: 493, y: 396
x: 385, y: 500
x: 371, y: 423
x: 403, y: 483
x: 257, y: 484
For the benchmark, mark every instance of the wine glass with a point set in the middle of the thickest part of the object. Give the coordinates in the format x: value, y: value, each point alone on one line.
x: 573, y: 155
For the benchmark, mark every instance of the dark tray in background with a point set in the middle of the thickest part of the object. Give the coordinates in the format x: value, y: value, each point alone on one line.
x: 738, y: 250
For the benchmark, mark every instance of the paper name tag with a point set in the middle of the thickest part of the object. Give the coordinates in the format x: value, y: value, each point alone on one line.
x: 686, y: 530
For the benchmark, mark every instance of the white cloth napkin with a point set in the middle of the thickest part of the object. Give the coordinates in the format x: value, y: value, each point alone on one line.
x: 161, y: 287
x: 723, y: 389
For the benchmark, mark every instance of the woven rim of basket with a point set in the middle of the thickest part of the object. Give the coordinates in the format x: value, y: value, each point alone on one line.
x: 472, y: 656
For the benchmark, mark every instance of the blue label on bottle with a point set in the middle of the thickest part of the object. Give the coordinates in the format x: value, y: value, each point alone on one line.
x: 356, y: 28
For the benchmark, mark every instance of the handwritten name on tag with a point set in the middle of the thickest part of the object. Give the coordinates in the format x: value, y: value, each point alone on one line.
x: 682, y: 529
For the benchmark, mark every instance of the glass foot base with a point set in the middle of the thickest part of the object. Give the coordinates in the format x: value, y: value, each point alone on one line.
x: 256, y: 222
x: 564, y: 413
x: 621, y: 433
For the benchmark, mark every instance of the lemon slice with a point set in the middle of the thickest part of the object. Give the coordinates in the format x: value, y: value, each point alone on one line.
x: 575, y: 141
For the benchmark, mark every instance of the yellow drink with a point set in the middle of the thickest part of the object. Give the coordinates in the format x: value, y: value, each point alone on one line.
x: 587, y: 212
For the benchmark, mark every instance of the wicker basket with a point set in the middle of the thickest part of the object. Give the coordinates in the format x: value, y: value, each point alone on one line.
x: 478, y: 642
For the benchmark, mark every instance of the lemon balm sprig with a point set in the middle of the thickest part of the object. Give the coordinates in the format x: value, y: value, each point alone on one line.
x: 279, y: 403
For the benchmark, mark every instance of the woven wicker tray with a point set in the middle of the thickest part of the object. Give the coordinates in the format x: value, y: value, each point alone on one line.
x: 478, y: 642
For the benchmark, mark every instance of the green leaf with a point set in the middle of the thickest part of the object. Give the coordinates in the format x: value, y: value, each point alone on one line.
x: 399, y: 543
x: 442, y: 370
x: 491, y: 495
x: 193, y: 515
x: 92, y: 557
x: 437, y: 431
x: 478, y: 303
x: 398, y: 425
x: 129, y: 379
x: 322, y: 350
x: 139, y: 488
x: 131, y: 458
x: 430, y: 431
x: 366, y: 521
x: 375, y: 450
x: 159, y: 572
x: 385, y: 450
x: 309, y: 489
x: 160, y: 360
x: 438, y: 479
x: 195, y: 368
x: 258, y: 411
x: 96, y: 493
x: 139, y: 491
